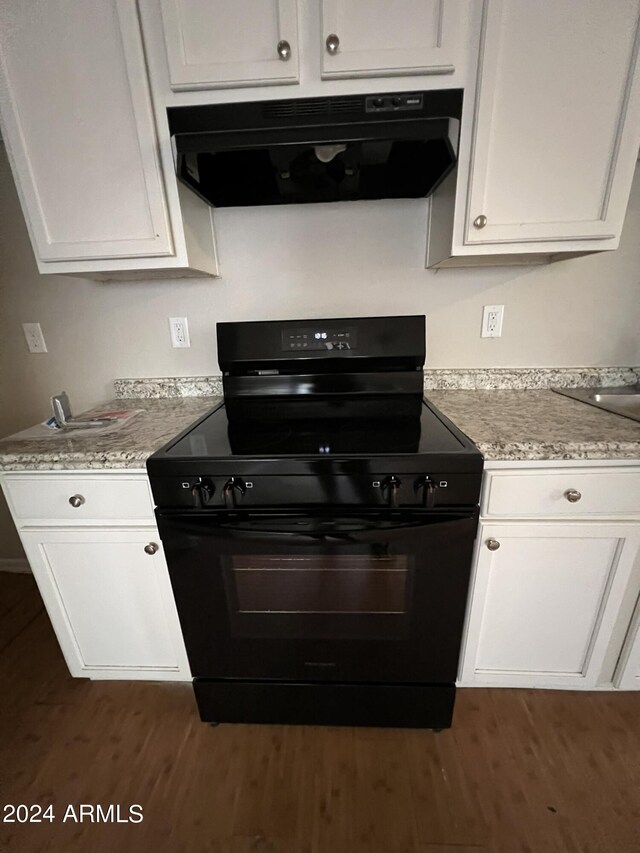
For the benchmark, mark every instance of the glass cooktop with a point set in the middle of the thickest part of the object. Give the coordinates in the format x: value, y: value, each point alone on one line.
x: 319, y: 430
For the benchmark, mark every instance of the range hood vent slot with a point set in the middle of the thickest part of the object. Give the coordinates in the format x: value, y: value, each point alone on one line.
x: 313, y: 106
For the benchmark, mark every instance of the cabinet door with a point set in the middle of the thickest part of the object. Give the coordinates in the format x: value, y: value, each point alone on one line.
x: 214, y: 43
x: 378, y: 39
x: 110, y: 602
x: 627, y: 676
x: 77, y: 121
x: 557, y: 124
x: 544, y: 604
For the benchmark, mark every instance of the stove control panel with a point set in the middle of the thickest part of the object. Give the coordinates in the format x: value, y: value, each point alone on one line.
x: 405, y: 489
x: 321, y: 337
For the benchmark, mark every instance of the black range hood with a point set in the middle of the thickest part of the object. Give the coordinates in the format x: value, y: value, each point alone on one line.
x: 343, y: 148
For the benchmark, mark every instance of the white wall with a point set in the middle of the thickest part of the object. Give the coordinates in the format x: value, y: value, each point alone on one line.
x: 307, y: 261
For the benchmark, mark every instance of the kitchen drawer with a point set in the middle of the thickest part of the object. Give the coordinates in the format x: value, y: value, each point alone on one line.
x: 46, y: 499
x: 608, y: 492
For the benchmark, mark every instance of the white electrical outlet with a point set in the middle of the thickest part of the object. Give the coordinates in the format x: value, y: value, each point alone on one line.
x: 492, y: 321
x: 34, y: 336
x: 179, y: 332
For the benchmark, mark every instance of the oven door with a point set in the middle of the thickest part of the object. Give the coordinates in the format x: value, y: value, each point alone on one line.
x: 323, y: 595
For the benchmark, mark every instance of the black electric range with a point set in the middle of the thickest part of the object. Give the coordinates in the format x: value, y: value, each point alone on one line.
x: 318, y: 527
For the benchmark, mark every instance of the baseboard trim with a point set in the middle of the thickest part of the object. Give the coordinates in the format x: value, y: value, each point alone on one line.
x: 8, y: 564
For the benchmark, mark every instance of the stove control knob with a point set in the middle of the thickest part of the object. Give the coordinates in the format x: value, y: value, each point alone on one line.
x: 390, y: 488
x: 425, y: 488
x: 202, y: 492
x: 233, y: 492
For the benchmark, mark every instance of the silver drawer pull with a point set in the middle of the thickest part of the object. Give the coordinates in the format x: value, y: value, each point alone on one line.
x: 333, y: 44
x: 151, y: 548
x: 284, y: 50
x: 76, y: 501
x: 480, y: 221
x: 492, y: 544
x: 572, y: 495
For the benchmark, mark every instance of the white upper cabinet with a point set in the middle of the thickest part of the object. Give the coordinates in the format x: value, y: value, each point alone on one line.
x: 374, y: 38
x: 215, y: 43
x: 77, y: 122
x: 557, y: 123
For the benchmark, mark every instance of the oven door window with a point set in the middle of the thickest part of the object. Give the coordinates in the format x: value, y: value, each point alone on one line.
x: 318, y: 594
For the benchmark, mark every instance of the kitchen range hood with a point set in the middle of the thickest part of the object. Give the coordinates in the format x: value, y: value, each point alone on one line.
x: 343, y: 148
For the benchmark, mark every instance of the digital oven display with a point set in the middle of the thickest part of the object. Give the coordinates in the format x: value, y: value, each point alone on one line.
x: 319, y: 338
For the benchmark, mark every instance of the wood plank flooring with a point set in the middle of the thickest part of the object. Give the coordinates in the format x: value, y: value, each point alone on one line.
x: 520, y: 772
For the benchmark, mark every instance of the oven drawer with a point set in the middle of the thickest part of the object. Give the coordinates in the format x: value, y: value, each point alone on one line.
x: 569, y: 492
x: 79, y: 498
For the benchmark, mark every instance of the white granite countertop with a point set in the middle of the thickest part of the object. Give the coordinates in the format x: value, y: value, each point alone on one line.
x: 505, y: 425
x: 130, y: 447
x: 534, y: 425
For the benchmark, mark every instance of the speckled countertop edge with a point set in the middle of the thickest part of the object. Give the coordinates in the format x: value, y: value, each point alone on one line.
x: 539, y: 451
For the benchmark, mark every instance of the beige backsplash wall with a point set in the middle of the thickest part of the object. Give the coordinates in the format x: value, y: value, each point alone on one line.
x: 311, y: 261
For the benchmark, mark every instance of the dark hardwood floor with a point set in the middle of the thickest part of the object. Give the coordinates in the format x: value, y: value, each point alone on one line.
x: 520, y: 770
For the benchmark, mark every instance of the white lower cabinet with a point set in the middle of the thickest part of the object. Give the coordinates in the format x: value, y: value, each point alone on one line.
x: 546, y: 603
x: 94, y: 549
x: 110, y: 601
x: 556, y: 578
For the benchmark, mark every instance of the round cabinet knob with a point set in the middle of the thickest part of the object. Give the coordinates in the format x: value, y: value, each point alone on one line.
x: 76, y: 501
x: 572, y: 495
x: 492, y: 544
x: 151, y: 548
x: 480, y: 221
x: 333, y: 44
x: 284, y: 50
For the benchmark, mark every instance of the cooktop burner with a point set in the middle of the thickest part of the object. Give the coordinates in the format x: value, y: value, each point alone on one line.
x: 221, y: 436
